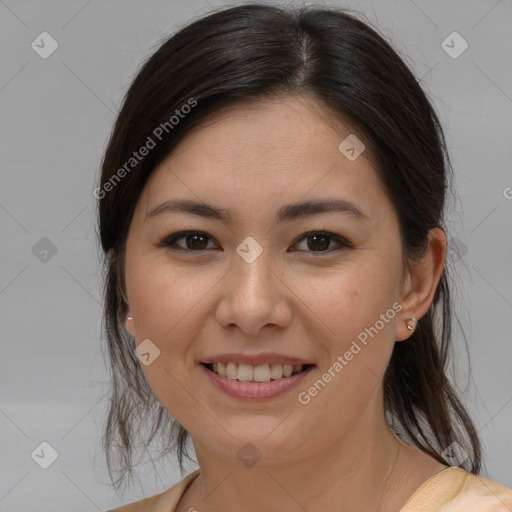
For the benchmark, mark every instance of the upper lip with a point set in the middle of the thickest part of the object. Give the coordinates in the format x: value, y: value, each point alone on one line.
x: 255, y: 359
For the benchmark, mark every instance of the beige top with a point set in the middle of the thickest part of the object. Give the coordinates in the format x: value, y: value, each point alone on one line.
x: 450, y: 490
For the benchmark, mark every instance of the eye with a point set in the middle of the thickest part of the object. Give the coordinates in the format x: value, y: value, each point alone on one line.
x: 197, y: 241
x: 320, y: 242
x: 194, y: 241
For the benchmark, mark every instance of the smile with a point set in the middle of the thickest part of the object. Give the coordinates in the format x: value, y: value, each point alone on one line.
x: 255, y: 382
x: 258, y: 373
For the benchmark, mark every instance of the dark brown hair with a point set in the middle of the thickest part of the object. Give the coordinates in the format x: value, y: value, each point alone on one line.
x: 255, y: 51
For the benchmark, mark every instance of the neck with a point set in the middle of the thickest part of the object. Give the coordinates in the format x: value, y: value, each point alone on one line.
x: 352, y: 471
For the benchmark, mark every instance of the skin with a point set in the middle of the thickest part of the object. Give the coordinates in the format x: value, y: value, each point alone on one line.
x: 251, y: 160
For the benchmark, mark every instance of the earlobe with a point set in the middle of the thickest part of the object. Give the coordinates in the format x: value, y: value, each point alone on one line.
x: 406, y: 326
x: 420, y: 286
x: 130, y: 327
x: 411, y: 323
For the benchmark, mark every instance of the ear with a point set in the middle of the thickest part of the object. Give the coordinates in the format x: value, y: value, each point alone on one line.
x: 421, y: 282
x: 128, y: 318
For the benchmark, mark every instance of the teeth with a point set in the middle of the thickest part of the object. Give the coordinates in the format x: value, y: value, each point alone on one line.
x: 260, y: 373
x: 245, y: 372
x: 276, y: 371
x: 232, y: 371
x: 221, y: 369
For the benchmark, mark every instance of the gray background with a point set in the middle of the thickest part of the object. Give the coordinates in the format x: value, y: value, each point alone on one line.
x: 56, y: 115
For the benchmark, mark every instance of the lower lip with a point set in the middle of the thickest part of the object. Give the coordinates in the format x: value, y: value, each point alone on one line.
x: 255, y: 390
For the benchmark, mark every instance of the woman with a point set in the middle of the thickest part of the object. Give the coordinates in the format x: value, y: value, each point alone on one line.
x: 271, y: 207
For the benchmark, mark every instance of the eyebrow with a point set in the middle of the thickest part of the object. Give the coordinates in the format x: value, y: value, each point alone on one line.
x: 286, y: 213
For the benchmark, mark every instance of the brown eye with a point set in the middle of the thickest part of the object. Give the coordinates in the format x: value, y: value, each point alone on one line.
x: 195, y: 241
x: 320, y: 242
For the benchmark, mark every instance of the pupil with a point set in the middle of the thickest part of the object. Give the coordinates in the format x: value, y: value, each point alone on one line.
x: 320, y: 241
x: 196, y: 242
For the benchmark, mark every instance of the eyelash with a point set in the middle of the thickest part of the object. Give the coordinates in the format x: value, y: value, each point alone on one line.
x: 170, y: 241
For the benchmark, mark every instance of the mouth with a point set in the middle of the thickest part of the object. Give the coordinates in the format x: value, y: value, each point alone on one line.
x: 252, y: 377
x: 256, y: 373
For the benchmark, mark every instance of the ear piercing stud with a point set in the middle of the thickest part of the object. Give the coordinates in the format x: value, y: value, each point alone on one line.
x: 409, y: 326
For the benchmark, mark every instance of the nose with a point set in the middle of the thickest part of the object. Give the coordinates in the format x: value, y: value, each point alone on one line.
x: 254, y: 297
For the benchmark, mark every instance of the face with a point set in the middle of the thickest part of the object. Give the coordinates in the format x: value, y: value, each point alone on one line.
x: 235, y: 282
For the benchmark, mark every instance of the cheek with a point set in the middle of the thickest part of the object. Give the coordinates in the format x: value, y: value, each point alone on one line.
x: 356, y: 308
x: 353, y: 298
x: 160, y: 296
x: 165, y: 307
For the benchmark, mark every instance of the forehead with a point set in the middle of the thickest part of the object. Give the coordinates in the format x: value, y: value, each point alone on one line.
x: 289, y: 126
x: 272, y: 150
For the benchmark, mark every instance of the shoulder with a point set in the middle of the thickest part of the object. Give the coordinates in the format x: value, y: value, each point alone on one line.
x: 480, y: 494
x: 456, y: 490
x: 163, y: 502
